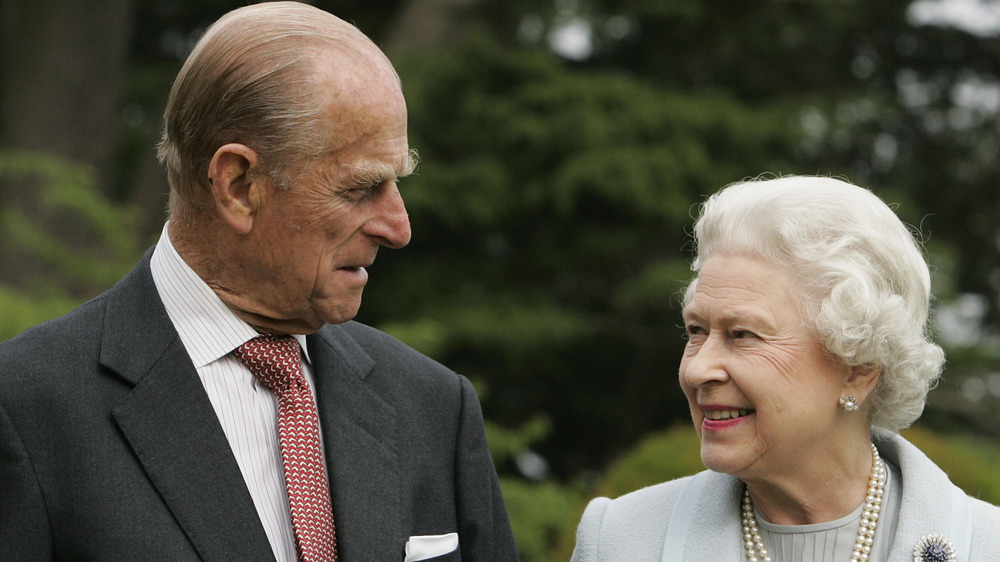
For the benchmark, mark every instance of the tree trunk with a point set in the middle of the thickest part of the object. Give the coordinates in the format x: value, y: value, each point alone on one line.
x: 62, y: 71
x: 61, y: 77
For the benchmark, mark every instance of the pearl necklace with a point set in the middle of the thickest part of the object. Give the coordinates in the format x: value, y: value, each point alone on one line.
x: 756, y: 552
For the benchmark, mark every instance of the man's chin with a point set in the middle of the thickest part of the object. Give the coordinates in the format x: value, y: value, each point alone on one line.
x: 293, y: 326
x: 335, y: 313
x: 303, y: 323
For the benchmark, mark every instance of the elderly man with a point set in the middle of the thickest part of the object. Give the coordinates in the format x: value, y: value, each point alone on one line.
x: 219, y: 403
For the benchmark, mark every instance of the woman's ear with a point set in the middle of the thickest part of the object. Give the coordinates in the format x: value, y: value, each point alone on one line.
x: 861, y: 382
x: 237, y: 187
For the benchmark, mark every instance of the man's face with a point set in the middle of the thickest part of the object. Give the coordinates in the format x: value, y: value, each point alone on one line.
x: 315, y: 240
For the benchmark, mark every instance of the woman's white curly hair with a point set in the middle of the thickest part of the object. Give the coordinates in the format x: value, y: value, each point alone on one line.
x: 864, y: 282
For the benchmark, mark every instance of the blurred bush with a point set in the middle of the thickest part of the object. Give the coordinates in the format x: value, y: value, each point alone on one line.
x: 61, y: 240
x: 972, y: 463
x: 542, y: 509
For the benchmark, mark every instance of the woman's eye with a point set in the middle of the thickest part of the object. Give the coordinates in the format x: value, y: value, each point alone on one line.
x: 743, y: 334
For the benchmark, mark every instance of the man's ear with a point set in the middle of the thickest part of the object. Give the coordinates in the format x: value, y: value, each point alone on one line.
x: 862, y: 380
x: 237, y: 186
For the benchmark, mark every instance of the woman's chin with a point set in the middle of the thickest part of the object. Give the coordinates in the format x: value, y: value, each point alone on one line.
x: 726, y: 459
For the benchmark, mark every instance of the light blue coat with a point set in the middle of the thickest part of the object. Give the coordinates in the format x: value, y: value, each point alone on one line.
x: 701, y: 516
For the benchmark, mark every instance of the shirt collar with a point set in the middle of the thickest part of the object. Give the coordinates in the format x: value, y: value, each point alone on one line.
x: 207, y: 327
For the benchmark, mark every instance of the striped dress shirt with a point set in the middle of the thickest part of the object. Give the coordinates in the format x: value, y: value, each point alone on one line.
x: 247, y: 410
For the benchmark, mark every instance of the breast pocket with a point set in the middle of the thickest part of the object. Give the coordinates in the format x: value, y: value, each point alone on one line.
x: 432, y: 547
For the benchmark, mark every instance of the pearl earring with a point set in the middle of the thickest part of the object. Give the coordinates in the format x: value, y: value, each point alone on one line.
x: 849, y: 403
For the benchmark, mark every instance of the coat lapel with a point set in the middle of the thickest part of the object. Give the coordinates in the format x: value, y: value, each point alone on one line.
x: 361, y: 454
x: 169, y: 422
x: 928, y: 497
x: 715, y: 531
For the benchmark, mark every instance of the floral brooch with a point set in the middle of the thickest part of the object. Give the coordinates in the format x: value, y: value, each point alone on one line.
x: 933, y: 548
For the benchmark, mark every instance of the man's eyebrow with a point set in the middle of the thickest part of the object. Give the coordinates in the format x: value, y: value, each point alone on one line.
x: 377, y: 172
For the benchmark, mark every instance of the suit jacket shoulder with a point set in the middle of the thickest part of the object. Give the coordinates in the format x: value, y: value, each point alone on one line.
x: 28, y: 355
x: 104, y: 424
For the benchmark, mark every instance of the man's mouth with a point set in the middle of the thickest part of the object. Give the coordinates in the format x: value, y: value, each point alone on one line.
x: 716, y: 415
x: 354, y: 267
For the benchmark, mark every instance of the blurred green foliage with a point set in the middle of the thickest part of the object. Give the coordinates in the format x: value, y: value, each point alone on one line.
x: 542, y: 510
x: 551, y: 209
x: 549, y: 216
x: 659, y: 457
x: 22, y: 310
x: 542, y: 514
x: 971, y: 462
x: 62, y: 240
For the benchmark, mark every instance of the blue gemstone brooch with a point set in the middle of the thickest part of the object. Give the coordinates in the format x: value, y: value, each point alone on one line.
x: 933, y: 548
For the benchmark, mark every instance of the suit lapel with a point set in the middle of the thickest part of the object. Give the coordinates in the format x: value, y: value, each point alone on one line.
x: 361, y: 454
x: 170, y: 424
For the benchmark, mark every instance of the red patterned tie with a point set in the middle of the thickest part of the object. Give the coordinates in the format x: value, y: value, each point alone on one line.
x: 275, y: 361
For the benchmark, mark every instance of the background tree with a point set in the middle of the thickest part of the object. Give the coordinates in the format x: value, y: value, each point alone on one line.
x: 565, y: 145
x: 62, y: 73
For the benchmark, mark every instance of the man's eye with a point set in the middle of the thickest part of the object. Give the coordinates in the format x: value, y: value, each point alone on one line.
x: 742, y: 334
x: 360, y: 192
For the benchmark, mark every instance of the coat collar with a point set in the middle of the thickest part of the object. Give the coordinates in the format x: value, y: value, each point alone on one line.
x: 929, y: 503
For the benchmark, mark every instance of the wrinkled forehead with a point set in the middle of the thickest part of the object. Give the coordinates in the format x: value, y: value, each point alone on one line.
x: 360, y: 99
x: 353, y: 58
x: 357, y: 76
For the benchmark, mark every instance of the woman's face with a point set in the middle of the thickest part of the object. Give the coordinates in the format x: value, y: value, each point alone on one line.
x: 762, y: 390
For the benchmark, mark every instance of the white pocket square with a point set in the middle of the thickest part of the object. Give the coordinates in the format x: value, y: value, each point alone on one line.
x: 422, y: 547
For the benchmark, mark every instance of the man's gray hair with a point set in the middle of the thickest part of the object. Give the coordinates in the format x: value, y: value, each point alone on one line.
x: 252, y: 80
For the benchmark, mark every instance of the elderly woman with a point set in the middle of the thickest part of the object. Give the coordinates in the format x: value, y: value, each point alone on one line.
x: 807, y: 351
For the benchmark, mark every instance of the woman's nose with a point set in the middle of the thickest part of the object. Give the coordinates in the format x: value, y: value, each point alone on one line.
x: 704, y: 364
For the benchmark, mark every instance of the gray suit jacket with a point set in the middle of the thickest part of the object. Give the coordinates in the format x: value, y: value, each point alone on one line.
x: 111, y: 450
x: 702, y: 521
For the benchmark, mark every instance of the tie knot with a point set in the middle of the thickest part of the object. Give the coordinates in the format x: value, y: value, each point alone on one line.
x: 274, y: 359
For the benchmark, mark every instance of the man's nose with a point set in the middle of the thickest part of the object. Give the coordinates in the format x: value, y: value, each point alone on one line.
x: 391, y: 224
